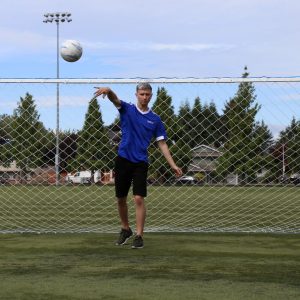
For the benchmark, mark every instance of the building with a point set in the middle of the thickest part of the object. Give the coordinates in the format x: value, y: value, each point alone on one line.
x: 204, y: 161
x: 11, y: 172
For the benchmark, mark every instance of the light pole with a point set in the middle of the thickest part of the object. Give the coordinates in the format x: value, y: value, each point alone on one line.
x: 57, y: 17
x: 283, y: 161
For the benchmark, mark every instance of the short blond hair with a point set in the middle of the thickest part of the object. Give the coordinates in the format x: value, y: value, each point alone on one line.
x: 144, y: 86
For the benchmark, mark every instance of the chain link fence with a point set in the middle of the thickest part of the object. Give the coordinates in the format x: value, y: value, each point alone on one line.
x: 236, y: 139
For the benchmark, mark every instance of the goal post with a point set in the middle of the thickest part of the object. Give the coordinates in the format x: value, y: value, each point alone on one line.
x: 236, y: 139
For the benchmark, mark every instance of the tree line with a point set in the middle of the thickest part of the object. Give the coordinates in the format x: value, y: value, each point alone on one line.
x: 247, y: 146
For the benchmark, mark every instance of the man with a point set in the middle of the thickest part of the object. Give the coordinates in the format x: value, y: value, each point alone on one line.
x: 139, y: 125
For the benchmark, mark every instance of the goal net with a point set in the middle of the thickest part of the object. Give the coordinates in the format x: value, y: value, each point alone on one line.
x: 236, y: 139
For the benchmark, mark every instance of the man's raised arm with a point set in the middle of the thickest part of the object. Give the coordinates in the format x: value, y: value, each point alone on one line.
x: 106, y: 91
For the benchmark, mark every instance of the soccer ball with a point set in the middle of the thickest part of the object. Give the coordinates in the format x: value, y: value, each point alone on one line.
x: 71, y: 50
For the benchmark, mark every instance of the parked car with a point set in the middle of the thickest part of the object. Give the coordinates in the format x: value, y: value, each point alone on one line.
x: 81, y: 177
x: 295, y: 178
x: 4, y: 178
x: 186, y: 180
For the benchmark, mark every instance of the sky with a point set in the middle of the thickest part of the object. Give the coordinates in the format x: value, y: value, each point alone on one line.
x: 152, y: 39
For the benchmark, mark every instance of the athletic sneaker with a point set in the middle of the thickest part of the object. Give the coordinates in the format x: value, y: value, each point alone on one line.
x: 124, y: 237
x: 138, y: 242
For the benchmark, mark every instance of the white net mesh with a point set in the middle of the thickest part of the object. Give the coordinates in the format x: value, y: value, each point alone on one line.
x: 237, y: 141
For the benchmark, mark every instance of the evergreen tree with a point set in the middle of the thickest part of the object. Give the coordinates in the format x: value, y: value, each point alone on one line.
x: 261, y: 145
x: 159, y: 169
x: 201, y: 125
x: 30, y: 139
x: 6, y: 126
x: 183, y: 125
x: 5, y: 139
x: 94, y: 150
x: 164, y: 108
x: 239, y: 149
x: 289, y: 145
x: 196, y: 124
x: 211, y: 132
x: 67, y: 150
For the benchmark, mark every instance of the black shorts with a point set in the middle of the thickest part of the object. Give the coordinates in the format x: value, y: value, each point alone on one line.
x: 127, y: 172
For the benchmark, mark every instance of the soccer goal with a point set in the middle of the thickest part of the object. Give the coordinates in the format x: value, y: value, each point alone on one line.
x: 236, y: 139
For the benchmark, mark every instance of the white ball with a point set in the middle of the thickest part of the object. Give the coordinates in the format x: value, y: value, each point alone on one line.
x: 71, y: 50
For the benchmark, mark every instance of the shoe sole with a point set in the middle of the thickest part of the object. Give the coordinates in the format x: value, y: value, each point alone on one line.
x: 134, y: 247
x: 125, y: 242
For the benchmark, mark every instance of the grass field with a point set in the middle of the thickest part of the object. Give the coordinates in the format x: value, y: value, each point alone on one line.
x: 171, y: 266
x: 171, y: 208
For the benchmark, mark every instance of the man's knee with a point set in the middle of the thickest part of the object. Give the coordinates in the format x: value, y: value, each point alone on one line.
x: 139, y: 200
x: 122, y: 201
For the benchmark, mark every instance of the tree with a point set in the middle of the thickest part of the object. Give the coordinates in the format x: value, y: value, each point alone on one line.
x: 261, y: 145
x: 180, y: 152
x: 164, y: 108
x: 196, y: 124
x: 159, y: 168
x: 241, y: 148
x: 183, y: 125
x: 288, y: 146
x: 6, y: 122
x: 6, y: 126
x: 30, y: 138
x: 67, y: 150
x: 94, y: 150
x: 211, y: 132
x: 199, y: 125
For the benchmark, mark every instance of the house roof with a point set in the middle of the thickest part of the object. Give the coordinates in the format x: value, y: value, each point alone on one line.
x: 205, y: 147
x: 11, y: 168
x: 205, y: 151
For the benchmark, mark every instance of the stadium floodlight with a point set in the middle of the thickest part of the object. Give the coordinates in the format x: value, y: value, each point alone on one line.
x: 58, y: 18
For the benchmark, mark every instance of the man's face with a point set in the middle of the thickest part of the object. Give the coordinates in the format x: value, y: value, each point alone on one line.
x: 143, y: 96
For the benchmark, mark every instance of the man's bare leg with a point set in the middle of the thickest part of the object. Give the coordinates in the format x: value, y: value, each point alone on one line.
x: 123, y: 212
x: 140, y: 213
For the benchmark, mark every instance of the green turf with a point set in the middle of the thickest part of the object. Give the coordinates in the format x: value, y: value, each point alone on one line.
x: 171, y: 266
x: 170, y: 208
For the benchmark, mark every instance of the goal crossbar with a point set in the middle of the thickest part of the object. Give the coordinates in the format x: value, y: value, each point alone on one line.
x: 151, y: 80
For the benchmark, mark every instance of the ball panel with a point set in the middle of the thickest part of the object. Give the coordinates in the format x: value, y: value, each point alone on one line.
x: 71, y: 50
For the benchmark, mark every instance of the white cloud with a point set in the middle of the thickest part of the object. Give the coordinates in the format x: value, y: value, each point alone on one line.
x: 291, y: 97
x: 137, y: 46
x: 6, y: 106
x: 21, y: 42
x: 65, y: 101
x: 189, y: 47
x: 227, y: 35
x: 18, y: 42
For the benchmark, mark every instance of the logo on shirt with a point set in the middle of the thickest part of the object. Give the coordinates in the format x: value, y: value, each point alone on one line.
x: 151, y: 122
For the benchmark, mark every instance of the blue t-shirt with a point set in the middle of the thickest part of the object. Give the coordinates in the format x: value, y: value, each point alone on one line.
x: 138, y: 128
